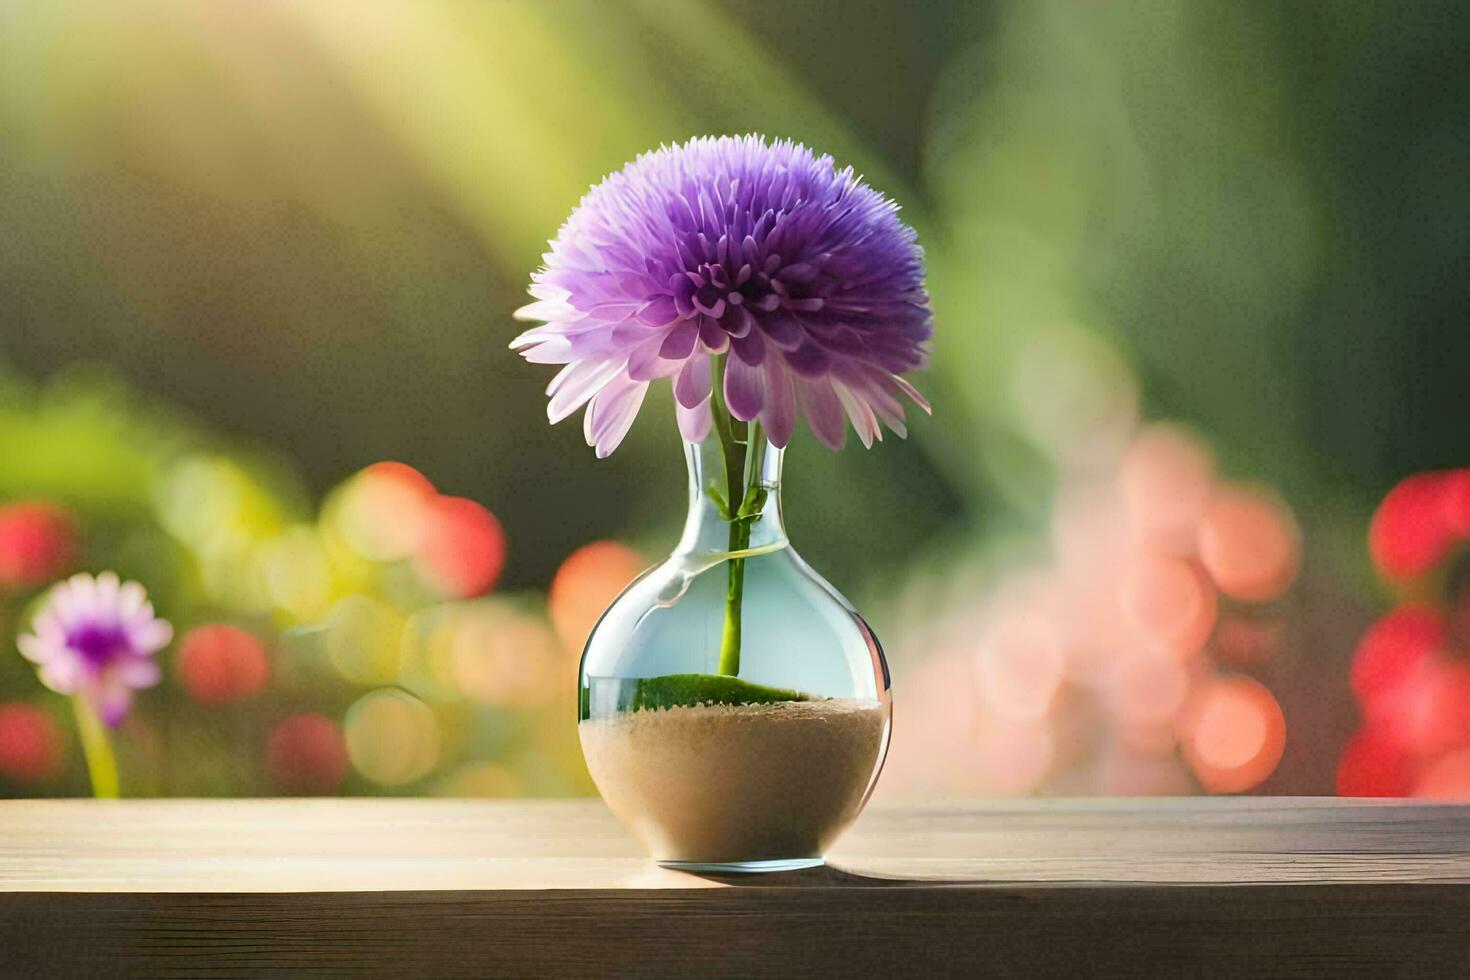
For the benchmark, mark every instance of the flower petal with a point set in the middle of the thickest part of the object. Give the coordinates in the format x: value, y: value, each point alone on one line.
x: 679, y: 342
x: 62, y: 675
x: 644, y: 364
x: 553, y: 350
x: 862, y: 416
x: 72, y: 598
x: 138, y: 672
x: 613, y: 312
x: 912, y: 392
x: 607, y: 343
x: 797, y: 272
x: 840, y: 338
x: 745, y: 389
x: 153, y: 637
x: 692, y: 386
x: 779, y: 416
x: 130, y: 600
x: 108, y: 587
x: 750, y: 349
x: 545, y: 290
x: 577, y: 383
x: 34, y: 649
x: 659, y: 312
x: 110, y: 698
x: 611, y: 415
x: 738, y: 321
x: 809, y: 360
x: 547, y: 311
x: 694, y: 423
x: 683, y: 289
x: 823, y: 412
x: 887, y: 407
x: 783, y: 329
x: 713, y: 335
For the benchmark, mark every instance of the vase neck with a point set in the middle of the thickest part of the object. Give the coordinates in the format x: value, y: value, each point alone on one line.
x: 734, y: 494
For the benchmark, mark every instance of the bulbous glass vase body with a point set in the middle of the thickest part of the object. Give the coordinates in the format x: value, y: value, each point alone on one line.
x: 755, y: 761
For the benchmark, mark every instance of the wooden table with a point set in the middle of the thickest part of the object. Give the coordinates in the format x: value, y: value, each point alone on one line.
x: 434, y: 888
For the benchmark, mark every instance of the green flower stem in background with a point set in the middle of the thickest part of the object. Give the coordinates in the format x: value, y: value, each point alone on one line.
x: 101, y: 764
x: 744, y: 451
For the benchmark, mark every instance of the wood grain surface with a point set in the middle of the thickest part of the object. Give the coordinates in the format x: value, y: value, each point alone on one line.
x: 515, y: 888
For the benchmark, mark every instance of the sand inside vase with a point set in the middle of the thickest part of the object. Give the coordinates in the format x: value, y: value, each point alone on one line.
x: 720, y: 783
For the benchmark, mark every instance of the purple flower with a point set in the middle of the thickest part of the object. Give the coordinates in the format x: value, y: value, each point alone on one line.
x: 801, y: 274
x: 96, y: 637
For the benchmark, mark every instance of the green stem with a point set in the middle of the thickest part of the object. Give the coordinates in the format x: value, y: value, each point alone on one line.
x: 731, y: 432
x: 101, y: 764
x: 734, y: 598
x: 743, y: 447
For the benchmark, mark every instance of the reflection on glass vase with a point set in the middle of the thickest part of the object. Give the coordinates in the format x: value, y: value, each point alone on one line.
x: 734, y: 707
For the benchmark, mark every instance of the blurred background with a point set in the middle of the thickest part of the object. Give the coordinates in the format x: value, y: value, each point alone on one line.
x: 1199, y: 279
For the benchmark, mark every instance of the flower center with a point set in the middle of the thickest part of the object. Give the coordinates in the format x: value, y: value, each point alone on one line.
x: 98, y: 644
x: 722, y: 288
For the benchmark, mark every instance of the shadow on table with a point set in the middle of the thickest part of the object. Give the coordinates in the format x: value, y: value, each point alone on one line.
x: 826, y: 876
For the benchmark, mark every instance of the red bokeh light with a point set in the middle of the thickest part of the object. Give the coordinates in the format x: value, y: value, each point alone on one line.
x: 463, y: 548
x: 1411, y: 531
x: 1433, y: 707
x: 1249, y: 544
x: 1168, y: 603
x: 30, y: 743
x: 1374, y: 764
x: 1020, y: 662
x: 401, y: 478
x: 306, y: 755
x: 1165, y: 480
x: 1447, y: 779
x: 1146, y: 690
x: 1393, y: 650
x: 38, y: 542
x: 585, y: 585
x: 1411, y: 673
x: 387, y: 510
x: 1233, y: 733
x: 1107, y: 652
x: 221, y: 663
x: 1456, y: 501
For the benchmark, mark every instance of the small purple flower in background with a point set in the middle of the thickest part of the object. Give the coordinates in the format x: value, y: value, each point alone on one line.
x: 96, y: 637
x: 801, y: 272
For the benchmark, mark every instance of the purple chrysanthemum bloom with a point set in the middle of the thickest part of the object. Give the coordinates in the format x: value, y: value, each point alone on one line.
x: 96, y: 637
x: 801, y: 272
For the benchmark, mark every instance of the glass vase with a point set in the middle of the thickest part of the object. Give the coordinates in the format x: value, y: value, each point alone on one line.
x: 734, y: 707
